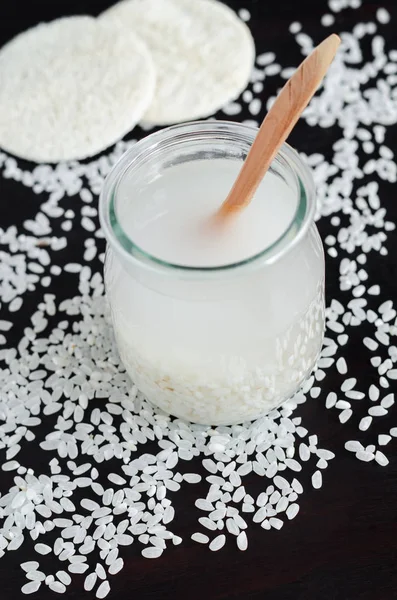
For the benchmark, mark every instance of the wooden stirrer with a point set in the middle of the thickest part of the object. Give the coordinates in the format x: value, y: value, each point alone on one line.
x: 278, y: 124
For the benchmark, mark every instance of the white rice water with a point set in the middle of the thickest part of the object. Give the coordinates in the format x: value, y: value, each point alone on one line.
x: 171, y: 217
x: 216, y: 351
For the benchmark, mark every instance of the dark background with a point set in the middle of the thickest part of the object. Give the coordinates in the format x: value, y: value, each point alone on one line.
x: 343, y: 544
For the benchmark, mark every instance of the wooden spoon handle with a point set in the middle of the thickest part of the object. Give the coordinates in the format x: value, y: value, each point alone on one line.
x: 278, y: 123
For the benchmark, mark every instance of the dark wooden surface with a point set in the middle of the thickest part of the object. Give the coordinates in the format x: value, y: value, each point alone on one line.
x: 343, y: 544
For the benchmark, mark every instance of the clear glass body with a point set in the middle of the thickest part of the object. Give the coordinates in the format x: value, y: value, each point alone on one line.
x: 217, y: 345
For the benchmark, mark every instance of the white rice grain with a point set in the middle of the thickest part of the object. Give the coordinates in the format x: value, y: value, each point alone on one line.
x: 31, y: 587
x: 103, y: 590
x: 242, y: 541
x: 317, y: 480
x: 217, y: 543
x: 381, y: 459
x: 152, y: 552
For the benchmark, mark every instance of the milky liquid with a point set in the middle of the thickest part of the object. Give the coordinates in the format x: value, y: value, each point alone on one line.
x: 171, y: 217
x: 224, y: 349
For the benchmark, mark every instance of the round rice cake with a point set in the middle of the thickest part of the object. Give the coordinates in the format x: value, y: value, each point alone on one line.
x: 71, y: 88
x: 203, y: 53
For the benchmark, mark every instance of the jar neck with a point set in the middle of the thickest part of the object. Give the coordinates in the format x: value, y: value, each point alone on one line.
x: 208, y: 139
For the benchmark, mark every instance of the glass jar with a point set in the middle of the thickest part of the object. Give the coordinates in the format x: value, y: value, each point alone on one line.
x: 216, y: 345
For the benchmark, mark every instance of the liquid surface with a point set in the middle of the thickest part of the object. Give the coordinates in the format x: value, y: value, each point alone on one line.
x: 171, y: 217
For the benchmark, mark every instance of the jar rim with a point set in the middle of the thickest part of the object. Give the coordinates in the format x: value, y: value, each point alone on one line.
x: 226, y: 130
